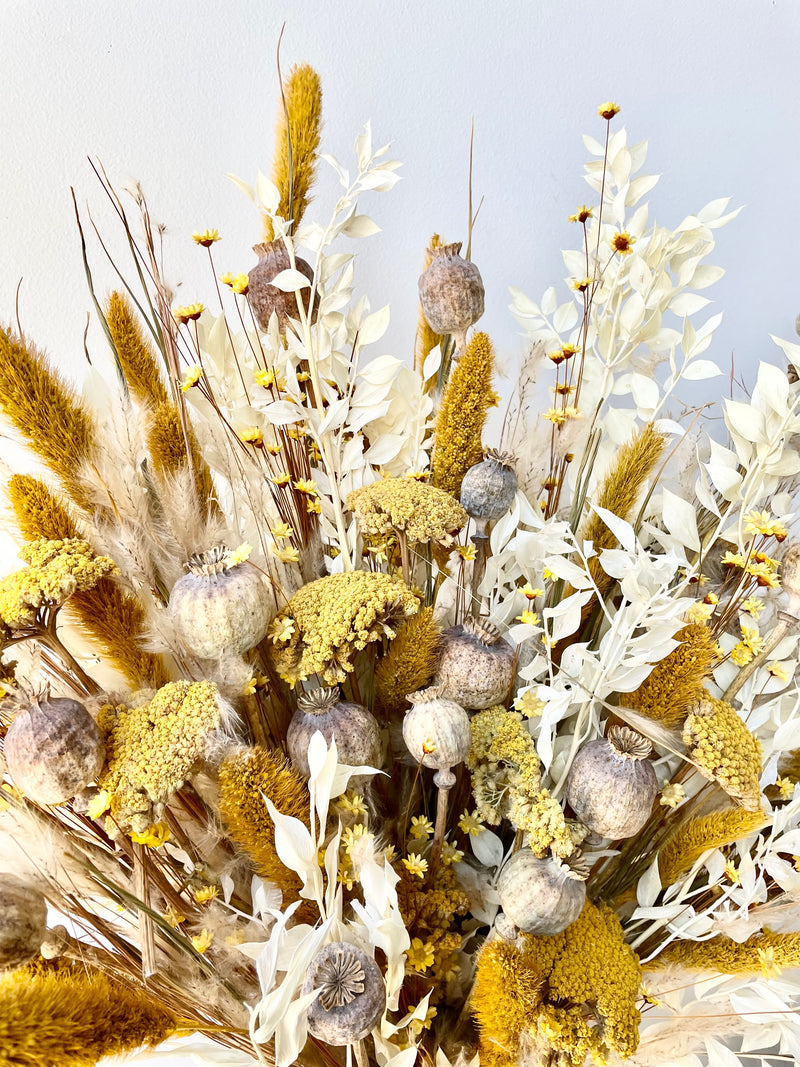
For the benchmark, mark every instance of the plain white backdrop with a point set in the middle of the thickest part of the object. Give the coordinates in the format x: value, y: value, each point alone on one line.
x: 178, y: 94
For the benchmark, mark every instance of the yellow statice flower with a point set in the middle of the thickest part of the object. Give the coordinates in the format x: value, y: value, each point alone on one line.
x: 761, y: 522
x: 174, y: 917
x: 769, y: 965
x: 731, y: 873
x: 785, y: 787
x: 151, y: 749
x: 740, y: 654
x: 752, y: 639
x: 506, y: 782
x: 415, y: 864
x: 306, y: 485
x: 778, y: 670
x: 56, y: 570
x: 582, y: 215
x: 530, y: 593
x: 154, y: 836
x: 451, y: 854
x: 205, y: 237
x: 732, y: 559
x: 280, y: 630
x: 99, y: 804
x: 191, y: 377
x: 422, y: 512
x: 699, y: 613
x: 466, y: 552
x: 335, y: 617
x: 420, y: 955
x: 353, y: 803
x: 280, y: 479
x: 725, y: 751
x: 421, y: 826
x: 187, y: 313
x: 202, y: 941
x: 753, y: 606
x: 290, y: 554
x: 354, y: 836
x: 530, y: 618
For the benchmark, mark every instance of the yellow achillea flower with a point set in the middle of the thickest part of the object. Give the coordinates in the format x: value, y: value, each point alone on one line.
x: 206, y: 238
x: 420, y: 955
x: 724, y: 749
x: 422, y: 512
x: 303, y: 95
x: 244, y: 780
x: 696, y: 836
x: 677, y: 680
x: 506, y: 782
x: 151, y: 749
x: 75, y: 1019
x: 136, y: 357
x: 56, y: 570
x: 732, y: 957
x: 333, y: 619
x: 466, y: 399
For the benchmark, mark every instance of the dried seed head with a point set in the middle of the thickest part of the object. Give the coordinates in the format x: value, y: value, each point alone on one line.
x: 451, y: 292
x: 23, y: 922
x: 501, y: 459
x: 341, y: 978
x: 575, y: 866
x: 612, y: 785
x: 353, y: 994
x: 486, y: 632
x: 628, y: 744
x: 354, y: 729
x: 476, y: 665
x: 264, y: 298
x: 436, y: 731
x: 208, y: 563
x: 318, y: 700
x: 540, y: 896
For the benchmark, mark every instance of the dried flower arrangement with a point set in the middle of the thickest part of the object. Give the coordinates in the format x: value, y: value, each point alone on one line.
x: 460, y: 753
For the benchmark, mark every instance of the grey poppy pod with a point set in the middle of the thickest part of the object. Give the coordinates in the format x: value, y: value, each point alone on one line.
x: 790, y: 578
x: 353, y: 996
x: 53, y: 750
x: 612, y: 785
x: 354, y: 729
x: 476, y: 666
x: 451, y: 292
x: 542, y: 896
x: 436, y: 731
x: 23, y: 922
x: 264, y: 298
x: 217, y: 608
x: 489, y: 487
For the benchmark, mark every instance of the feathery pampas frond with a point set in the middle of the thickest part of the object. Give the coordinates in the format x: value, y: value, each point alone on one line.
x: 73, y: 1019
x: 426, y: 339
x: 303, y: 95
x: 107, y: 613
x: 466, y: 400
x: 136, y: 356
x: 696, y: 836
x: 677, y: 680
x: 43, y: 408
x: 409, y: 664
x: 166, y: 446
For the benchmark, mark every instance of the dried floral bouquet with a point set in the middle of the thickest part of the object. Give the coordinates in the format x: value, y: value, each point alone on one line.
x: 328, y: 734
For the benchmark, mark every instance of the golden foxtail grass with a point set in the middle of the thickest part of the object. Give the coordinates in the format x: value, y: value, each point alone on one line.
x: 107, y: 613
x: 294, y: 178
x: 677, y: 680
x: 409, y: 664
x: 727, y: 956
x: 136, y: 356
x: 459, y: 426
x: 167, y: 448
x: 697, y: 835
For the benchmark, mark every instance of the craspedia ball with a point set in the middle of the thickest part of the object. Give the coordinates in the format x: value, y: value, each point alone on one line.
x: 542, y: 896
x: 264, y: 298
x: 489, y: 487
x: 476, y: 666
x: 353, y: 996
x: 23, y: 922
x: 612, y: 785
x: 53, y: 749
x: 219, y: 608
x: 451, y: 292
x: 354, y: 729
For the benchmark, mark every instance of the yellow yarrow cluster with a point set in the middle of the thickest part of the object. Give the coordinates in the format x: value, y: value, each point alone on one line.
x: 430, y: 914
x: 724, y: 750
x: 423, y: 512
x: 506, y: 782
x: 56, y: 570
x: 332, y: 619
x: 151, y: 750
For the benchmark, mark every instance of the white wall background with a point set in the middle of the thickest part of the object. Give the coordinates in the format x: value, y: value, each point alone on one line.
x: 177, y: 94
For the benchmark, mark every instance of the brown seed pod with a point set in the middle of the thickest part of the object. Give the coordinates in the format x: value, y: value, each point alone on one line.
x: 264, y: 298
x: 476, y: 665
x: 489, y: 487
x: 53, y: 749
x: 612, y: 785
x: 219, y: 609
x: 354, y: 729
x: 353, y: 994
x: 436, y: 730
x: 542, y: 896
x: 451, y: 293
x: 23, y: 922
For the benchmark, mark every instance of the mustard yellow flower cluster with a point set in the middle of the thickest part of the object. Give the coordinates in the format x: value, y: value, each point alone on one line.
x: 677, y: 680
x: 507, y: 782
x: 56, y: 570
x: 151, y: 750
x: 421, y: 511
x: 430, y: 913
x: 332, y: 619
x: 724, y: 750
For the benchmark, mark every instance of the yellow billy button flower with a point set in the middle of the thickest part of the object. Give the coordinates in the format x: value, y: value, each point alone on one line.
x: 191, y: 377
x: 420, y: 954
x: 252, y: 435
x: 207, y: 893
x: 608, y: 110
x: 202, y: 942
x: 470, y: 824
x: 206, y: 238
x: 622, y: 242
x: 415, y: 865
x: 582, y: 214
x: 154, y: 837
x: 421, y: 826
x: 187, y: 313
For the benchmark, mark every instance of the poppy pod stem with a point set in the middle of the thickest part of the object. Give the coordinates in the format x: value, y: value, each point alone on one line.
x: 359, y: 1048
x: 444, y: 780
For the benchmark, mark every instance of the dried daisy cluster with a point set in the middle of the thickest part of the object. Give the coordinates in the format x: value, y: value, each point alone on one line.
x: 343, y: 724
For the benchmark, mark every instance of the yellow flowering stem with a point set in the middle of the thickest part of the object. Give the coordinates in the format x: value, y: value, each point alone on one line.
x: 147, y: 939
x: 785, y: 623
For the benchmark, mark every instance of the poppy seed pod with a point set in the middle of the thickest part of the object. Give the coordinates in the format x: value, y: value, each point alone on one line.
x: 354, y: 729
x: 353, y: 994
x: 489, y: 487
x: 476, y: 666
x: 53, y: 749
x: 542, y: 896
x: 436, y: 730
x: 612, y: 785
x: 23, y: 922
x: 451, y: 293
x: 219, y: 608
x: 264, y: 298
